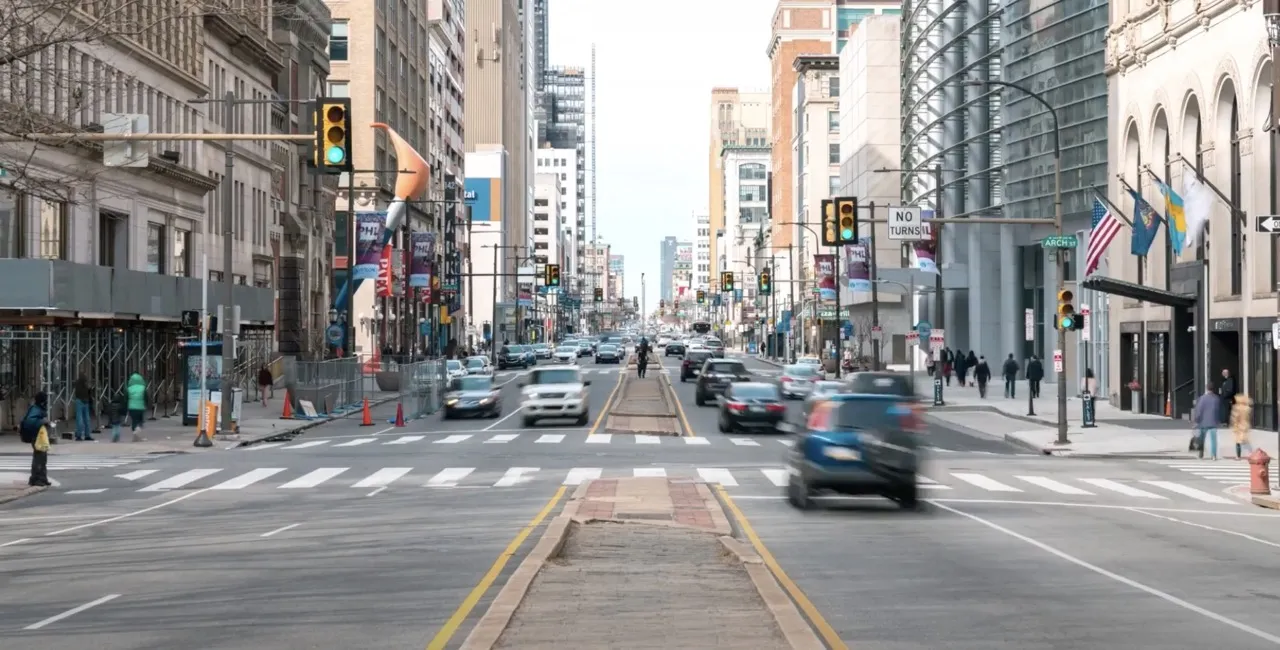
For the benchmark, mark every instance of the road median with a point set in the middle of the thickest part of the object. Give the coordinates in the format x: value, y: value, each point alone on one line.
x: 644, y: 406
x: 642, y: 562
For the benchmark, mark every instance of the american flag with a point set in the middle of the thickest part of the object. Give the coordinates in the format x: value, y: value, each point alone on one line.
x: 1105, y: 227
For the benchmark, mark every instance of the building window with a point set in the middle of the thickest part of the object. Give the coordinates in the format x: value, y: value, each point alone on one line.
x: 750, y: 192
x: 53, y: 230
x: 833, y: 86
x: 155, y: 248
x: 833, y: 154
x: 339, y: 89
x: 751, y: 172
x: 1236, y: 190
x: 10, y: 226
x: 338, y: 40
x: 182, y: 253
x: 833, y: 188
x: 833, y: 121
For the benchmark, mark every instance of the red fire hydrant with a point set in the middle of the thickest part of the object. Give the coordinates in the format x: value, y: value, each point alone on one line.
x: 1259, y: 472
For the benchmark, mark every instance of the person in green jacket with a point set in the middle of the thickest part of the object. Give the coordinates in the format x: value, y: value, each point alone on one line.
x: 136, y: 391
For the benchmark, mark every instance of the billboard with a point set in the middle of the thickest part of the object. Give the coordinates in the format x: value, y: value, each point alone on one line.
x: 684, y: 257
x: 615, y: 264
x: 484, y: 196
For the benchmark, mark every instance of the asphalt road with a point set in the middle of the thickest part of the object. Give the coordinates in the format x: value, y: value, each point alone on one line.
x: 385, y: 537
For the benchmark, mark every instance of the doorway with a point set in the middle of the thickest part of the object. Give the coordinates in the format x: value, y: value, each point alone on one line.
x: 1262, y: 380
x: 1130, y: 362
x: 1155, y: 386
x: 1224, y: 354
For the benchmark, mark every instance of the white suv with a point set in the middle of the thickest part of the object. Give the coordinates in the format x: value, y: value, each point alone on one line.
x: 554, y: 392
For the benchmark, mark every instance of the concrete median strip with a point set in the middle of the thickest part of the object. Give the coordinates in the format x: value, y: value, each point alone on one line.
x: 644, y: 406
x: 642, y: 558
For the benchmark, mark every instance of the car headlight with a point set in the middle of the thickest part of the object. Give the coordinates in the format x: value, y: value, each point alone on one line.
x: 486, y: 401
x: 451, y: 401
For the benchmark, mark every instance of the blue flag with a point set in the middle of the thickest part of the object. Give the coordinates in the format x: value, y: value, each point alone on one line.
x: 1146, y: 223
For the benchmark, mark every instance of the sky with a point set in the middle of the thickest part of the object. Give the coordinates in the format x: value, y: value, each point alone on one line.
x: 657, y: 63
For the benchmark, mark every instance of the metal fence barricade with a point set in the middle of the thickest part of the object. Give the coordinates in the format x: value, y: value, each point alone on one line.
x: 335, y: 387
x: 422, y: 386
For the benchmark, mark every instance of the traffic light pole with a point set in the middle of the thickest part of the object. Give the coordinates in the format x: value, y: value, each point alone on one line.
x: 228, y: 277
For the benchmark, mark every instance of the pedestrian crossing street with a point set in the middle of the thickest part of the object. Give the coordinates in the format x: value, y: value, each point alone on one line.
x: 759, y: 479
x: 1227, y: 472
x: 71, y: 462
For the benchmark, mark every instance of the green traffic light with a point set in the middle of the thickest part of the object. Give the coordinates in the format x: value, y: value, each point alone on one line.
x: 846, y: 234
x: 335, y: 155
x: 1066, y: 322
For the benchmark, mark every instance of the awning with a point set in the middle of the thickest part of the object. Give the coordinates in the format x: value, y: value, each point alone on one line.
x: 1136, y: 291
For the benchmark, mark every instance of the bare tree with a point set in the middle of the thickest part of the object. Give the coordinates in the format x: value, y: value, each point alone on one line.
x: 864, y: 345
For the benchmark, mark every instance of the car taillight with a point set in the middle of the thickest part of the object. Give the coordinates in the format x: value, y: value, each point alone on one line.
x: 776, y: 408
x: 786, y: 380
x: 912, y: 419
x: 737, y: 408
x: 685, y: 363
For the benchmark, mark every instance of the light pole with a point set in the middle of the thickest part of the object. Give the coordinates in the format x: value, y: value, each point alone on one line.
x: 644, y: 315
x: 1060, y: 259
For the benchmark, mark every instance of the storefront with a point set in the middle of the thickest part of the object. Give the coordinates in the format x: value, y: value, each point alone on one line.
x: 1131, y: 365
x: 1261, y: 357
x: 1155, y: 387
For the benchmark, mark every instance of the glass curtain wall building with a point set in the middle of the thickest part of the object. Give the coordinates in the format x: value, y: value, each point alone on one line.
x: 563, y: 125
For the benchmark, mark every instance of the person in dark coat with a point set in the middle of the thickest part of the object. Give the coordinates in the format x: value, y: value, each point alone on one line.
x: 948, y: 364
x: 1035, y: 375
x: 1010, y: 373
x: 29, y: 431
x: 962, y: 366
x: 971, y: 361
x: 1226, y: 396
x: 981, y: 374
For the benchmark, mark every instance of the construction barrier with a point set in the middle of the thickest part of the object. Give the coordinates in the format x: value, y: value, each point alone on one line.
x: 421, y: 389
x: 334, y: 387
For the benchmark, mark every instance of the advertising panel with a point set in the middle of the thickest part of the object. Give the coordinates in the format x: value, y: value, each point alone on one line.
x: 424, y: 248
x: 825, y: 270
x: 857, y: 267
x: 484, y: 197
x: 615, y: 264
x: 368, y: 244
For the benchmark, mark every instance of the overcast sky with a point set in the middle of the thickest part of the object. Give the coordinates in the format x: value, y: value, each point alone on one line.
x: 657, y: 63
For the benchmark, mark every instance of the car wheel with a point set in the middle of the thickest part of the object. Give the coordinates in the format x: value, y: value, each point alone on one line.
x: 583, y: 419
x: 798, y: 494
x: 447, y: 415
x: 529, y: 421
x: 907, y: 497
x: 723, y: 424
x: 699, y: 400
x: 495, y: 413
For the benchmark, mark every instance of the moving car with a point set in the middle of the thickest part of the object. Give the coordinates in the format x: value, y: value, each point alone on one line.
x: 691, y: 366
x: 454, y: 368
x: 663, y: 341
x: 542, y: 350
x: 797, y: 380
x: 554, y: 392
x: 474, y: 396
x: 857, y: 443
x: 512, y: 356
x: 585, y: 347
x: 822, y: 389
x: 608, y: 353
x: 529, y: 354
x: 674, y: 349
x: 567, y: 353
x: 479, y: 367
x: 716, y: 347
x: 815, y: 362
x: 751, y: 406
x: 716, y: 376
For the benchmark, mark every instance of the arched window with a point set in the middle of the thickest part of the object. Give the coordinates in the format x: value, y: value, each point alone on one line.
x: 1204, y: 235
x: 751, y: 172
x: 1237, y: 236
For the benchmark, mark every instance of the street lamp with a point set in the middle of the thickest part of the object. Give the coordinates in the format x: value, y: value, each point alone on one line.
x: 1060, y: 263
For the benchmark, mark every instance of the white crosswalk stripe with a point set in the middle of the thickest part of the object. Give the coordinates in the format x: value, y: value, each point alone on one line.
x: 502, y: 437
x: 355, y: 443
x: 67, y: 462
x: 744, y: 442
x: 751, y: 480
x: 404, y: 440
x: 550, y: 438
x: 307, y: 445
x: 1228, y: 472
x: 453, y: 440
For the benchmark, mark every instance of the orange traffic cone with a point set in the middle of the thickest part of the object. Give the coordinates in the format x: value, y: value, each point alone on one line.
x: 288, y: 406
x: 399, y: 415
x: 368, y: 417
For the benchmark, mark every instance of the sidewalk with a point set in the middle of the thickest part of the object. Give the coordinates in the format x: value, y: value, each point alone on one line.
x: 641, y: 563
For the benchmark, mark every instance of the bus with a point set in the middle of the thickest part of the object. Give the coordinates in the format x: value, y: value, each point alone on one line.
x: 702, y: 327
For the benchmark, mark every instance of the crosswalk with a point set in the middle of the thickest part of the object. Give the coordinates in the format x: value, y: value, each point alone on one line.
x: 759, y: 480
x: 59, y: 463
x: 1227, y: 472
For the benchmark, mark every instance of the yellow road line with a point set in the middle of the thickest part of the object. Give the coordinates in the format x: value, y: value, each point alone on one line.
x: 604, y: 411
x: 442, y: 638
x: 819, y: 623
x: 684, y: 420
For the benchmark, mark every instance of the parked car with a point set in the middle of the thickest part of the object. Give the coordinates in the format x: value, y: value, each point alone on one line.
x: 751, y: 406
x: 512, y: 356
x: 691, y: 365
x: 474, y: 396
x: 554, y: 392
x: 797, y: 380
x: 674, y: 349
x: 715, y: 377
x: 608, y: 353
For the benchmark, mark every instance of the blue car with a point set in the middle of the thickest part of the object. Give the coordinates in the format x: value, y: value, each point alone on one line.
x: 857, y: 443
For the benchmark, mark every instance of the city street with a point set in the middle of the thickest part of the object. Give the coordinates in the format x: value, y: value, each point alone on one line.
x: 388, y: 537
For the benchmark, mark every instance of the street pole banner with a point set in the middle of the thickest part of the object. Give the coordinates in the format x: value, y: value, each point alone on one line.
x: 825, y: 269
x: 857, y: 270
x: 382, y: 284
x: 368, y: 245
x: 926, y: 249
x: 424, y: 244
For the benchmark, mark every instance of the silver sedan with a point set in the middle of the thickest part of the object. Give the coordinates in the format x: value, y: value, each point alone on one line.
x: 797, y: 380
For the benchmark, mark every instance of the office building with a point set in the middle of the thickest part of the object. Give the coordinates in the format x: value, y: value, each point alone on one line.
x: 597, y: 315
x: 682, y: 281
x: 744, y: 177
x: 702, y: 252
x: 737, y: 119
x: 563, y: 126
x: 617, y: 277
x: 547, y: 240
x: 667, y: 268
x: 564, y: 164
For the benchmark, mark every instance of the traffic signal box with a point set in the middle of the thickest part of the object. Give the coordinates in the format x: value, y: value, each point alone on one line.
x: 333, y: 135
x: 829, y: 235
x: 599, y: 294
x: 552, y: 278
x: 1067, y: 318
x: 726, y: 281
x: 765, y: 283
x: 846, y: 209
x: 702, y: 297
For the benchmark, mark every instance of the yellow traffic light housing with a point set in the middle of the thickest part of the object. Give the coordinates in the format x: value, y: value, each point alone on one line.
x: 552, y: 278
x: 333, y: 135
x: 702, y: 297
x: 765, y: 283
x: 726, y: 281
x: 599, y: 294
x: 829, y: 235
x: 1067, y: 317
x: 846, y: 221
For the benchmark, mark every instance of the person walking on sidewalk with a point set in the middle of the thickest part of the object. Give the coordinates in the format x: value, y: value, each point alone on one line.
x: 948, y: 364
x: 1035, y: 375
x: 265, y: 380
x: 1010, y: 373
x: 116, y: 410
x: 1205, y: 419
x: 83, y: 394
x: 137, y: 394
x: 982, y: 375
x: 962, y: 367
x: 1241, y: 423
x: 971, y: 362
x: 33, y: 432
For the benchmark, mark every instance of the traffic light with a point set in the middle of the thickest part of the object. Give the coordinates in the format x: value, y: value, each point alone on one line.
x: 829, y: 236
x: 333, y: 135
x: 702, y: 297
x: 847, y: 220
x: 765, y: 282
x: 662, y: 303
x: 726, y: 281
x: 552, y: 278
x: 1067, y: 318
x: 599, y: 294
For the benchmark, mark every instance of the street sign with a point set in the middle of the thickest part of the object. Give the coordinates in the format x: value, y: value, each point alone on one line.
x: 1060, y: 241
x: 1057, y: 361
x: 877, y: 334
x: 1269, y: 223
x: 937, y: 340
x: 1085, y: 313
x: 905, y: 224
x: 1029, y: 324
x: 923, y: 328
x: 913, y: 338
x: 334, y: 334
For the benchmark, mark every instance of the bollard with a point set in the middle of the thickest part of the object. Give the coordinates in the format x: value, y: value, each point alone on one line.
x: 937, y: 391
x: 1259, y: 472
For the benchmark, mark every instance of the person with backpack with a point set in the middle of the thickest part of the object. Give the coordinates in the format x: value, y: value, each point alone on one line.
x: 32, y: 431
x: 137, y: 395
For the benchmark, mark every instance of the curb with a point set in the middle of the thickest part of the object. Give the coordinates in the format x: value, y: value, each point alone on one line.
x: 1267, y: 501
x: 246, y: 441
x: 979, y: 408
x: 795, y: 629
x: 25, y: 492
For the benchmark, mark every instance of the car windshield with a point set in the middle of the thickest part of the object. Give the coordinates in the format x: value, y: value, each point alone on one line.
x: 539, y: 346
x: 754, y: 391
x: 475, y: 363
x: 556, y: 376
x: 584, y: 344
x: 567, y: 349
x: 453, y: 364
x: 472, y: 384
x: 800, y: 371
x: 713, y: 343
x: 875, y: 383
x: 728, y: 368
x: 607, y: 347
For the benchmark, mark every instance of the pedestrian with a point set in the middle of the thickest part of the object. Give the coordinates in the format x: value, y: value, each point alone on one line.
x: 1204, y: 418
x: 265, y: 380
x: 1226, y: 396
x: 1241, y: 423
x: 981, y: 375
x: 642, y: 361
x: 1035, y: 375
x: 1010, y: 373
x: 116, y: 409
x: 32, y: 430
x: 971, y: 361
x: 137, y: 396
x: 962, y: 367
x: 948, y: 364
x: 83, y: 394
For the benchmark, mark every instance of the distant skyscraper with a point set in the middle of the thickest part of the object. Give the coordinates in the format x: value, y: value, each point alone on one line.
x: 667, y: 268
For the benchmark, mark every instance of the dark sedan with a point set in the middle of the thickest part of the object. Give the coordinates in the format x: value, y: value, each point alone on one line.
x: 691, y: 366
x: 474, y: 396
x: 716, y: 376
x: 608, y: 353
x: 512, y: 356
x: 751, y: 406
x: 674, y: 349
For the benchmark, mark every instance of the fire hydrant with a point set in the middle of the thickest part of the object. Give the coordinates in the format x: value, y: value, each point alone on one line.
x: 1259, y: 473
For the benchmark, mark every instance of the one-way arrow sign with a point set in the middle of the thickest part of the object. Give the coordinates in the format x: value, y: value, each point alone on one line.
x: 1269, y: 223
